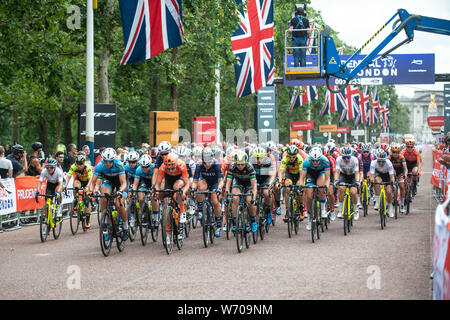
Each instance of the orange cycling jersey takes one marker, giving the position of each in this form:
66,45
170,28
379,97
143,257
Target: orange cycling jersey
412,156
179,170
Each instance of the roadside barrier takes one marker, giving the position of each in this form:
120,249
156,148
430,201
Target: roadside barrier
441,253
440,178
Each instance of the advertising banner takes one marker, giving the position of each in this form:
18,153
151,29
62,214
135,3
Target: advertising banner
266,115
343,130
8,197
204,129
435,121
302,125
394,69
163,127
328,128
105,125
446,107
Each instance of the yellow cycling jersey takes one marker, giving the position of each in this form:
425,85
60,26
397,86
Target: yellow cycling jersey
85,175
292,168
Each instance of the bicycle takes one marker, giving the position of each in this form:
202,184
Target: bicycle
261,210
47,220
242,221
315,216
396,198
382,205
409,191
78,214
142,218
111,225
172,230
228,217
293,210
365,197
209,226
347,207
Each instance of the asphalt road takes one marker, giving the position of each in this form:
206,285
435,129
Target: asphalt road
369,263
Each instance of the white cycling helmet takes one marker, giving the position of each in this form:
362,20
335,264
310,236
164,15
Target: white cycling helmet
145,161
316,153
109,154
164,147
133,156
182,151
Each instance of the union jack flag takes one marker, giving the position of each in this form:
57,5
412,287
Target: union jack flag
310,94
372,116
150,27
252,44
351,107
363,105
385,114
333,102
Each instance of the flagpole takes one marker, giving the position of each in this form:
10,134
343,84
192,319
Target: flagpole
217,105
309,119
90,79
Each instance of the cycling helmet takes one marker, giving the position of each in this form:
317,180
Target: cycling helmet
410,143
354,152
207,155
384,146
36,145
377,145
164,147
308,149
365,148
396,147
270,146
109,154
171,160
381,155
241,157
259,152
51,163
145,161
292,150
301,145
181,151
154,152
346,151
80,159
316,153
133,156
123,157
295,142
17,148
140,152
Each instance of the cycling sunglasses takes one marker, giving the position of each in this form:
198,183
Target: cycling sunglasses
346,157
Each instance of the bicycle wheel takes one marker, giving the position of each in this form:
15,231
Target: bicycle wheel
142,220
167,229
180,235
187,225
105,231
154,229
346,214
312,221
296,217
382,210
229,221
290,215
262,220
255,235
318,217
395,204
44,226
58,226
247,229
240,232
74,220
206,223
408,197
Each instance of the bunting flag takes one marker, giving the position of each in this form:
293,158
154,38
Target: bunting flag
351,106
363,104
386,122
333,102
372,116
149,28
310,42
310,93
253,46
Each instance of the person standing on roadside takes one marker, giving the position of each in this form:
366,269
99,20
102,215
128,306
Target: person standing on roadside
6,168
69,158
18,158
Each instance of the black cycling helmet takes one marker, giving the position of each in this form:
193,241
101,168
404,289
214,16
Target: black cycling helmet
17,148
36,145
80,159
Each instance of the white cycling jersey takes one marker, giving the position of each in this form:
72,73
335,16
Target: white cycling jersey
56,177
387,167
348,168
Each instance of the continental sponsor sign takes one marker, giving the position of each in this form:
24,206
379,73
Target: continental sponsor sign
328,128
163,127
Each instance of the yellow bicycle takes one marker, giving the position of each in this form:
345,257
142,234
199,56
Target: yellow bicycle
48,220
347,207
365,197
382,205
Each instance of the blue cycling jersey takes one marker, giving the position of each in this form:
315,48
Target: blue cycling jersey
141,175
211,175
324,165
131,173
116,170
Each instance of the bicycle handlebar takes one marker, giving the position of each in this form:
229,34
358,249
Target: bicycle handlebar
239,194
384,183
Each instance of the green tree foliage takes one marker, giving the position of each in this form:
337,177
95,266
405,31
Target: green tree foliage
42,72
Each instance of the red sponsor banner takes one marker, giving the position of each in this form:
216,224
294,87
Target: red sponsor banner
436,121
204,129
302,125
343,130
25,188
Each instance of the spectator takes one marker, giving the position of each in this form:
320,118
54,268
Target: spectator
299,38
69,158
99,157
59,156
6,167
18,158
7,149
35,160
87,152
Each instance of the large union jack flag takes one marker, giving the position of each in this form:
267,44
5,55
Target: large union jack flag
333,102
150,27
310,93
252,44
351,107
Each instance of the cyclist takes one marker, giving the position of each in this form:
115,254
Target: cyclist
82,171
131,167
347,170
174,174
241,178
289,173
55,178
265,176
143,182
154,153
112,173
315,172
164,148
381,170
274,156
331,195
401,171
208,177
413,161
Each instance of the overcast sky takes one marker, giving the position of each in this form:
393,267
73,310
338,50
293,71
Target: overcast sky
356,21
